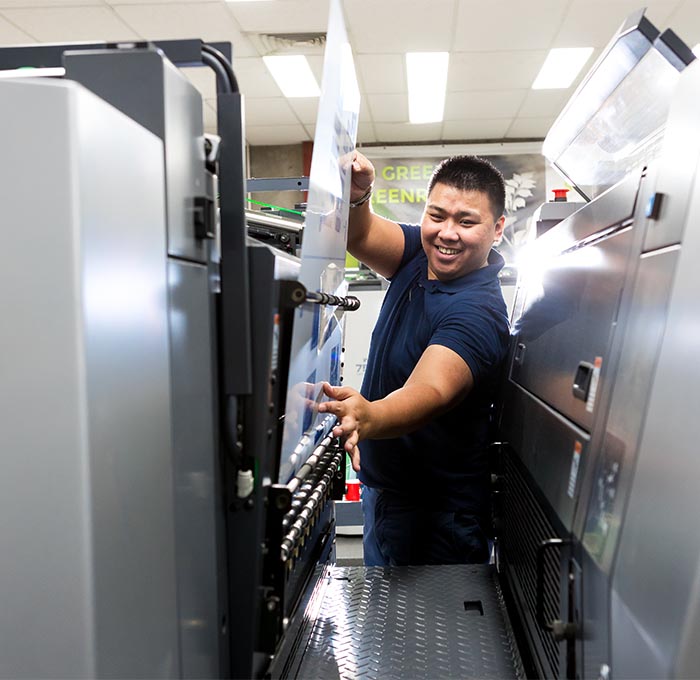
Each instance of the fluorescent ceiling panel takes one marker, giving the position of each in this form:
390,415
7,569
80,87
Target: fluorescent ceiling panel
426,73
30,72
561,67
293,75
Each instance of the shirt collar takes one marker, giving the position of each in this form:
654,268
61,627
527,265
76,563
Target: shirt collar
494,265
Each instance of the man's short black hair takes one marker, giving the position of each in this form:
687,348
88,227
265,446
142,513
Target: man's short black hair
472,173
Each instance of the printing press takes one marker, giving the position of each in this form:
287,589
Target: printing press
168,486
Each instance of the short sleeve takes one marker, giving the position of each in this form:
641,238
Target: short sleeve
477,332
412,243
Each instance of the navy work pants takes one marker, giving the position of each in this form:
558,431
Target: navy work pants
398,532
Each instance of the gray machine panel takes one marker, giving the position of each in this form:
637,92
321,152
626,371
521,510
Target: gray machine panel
87,537
565,329
640,344
555,452
680,155
657,568
195,466
184,162
147,87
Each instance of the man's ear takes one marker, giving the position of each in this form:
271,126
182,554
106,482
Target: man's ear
500,225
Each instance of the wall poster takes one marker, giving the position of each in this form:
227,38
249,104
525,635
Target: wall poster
400,191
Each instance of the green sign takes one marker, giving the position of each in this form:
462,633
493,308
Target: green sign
400,192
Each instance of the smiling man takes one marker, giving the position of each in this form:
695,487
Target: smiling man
421,419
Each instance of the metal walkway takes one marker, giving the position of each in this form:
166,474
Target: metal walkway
404,622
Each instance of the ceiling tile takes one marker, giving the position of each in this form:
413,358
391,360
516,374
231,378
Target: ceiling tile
685,21
365,114
507,25
395,26
305,108
541,103
290,16
405,132
381,73
276,134
208,21
388,108
365,133
254,79
11,35
500,47
494,70
269,111
115,3
593,24
530,128
488,104
316,66
662,12
71,24
50,3
456,130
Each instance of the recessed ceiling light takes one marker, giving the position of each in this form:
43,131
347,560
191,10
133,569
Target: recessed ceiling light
427,81
32,72
293,75
561,67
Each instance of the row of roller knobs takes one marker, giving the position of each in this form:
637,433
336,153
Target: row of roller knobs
349,302
307,503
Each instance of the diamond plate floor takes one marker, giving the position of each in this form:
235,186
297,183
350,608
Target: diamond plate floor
407,622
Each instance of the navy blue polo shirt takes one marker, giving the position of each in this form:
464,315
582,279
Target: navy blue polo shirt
445,462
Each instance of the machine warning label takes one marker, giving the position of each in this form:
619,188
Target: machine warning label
573,474
590,402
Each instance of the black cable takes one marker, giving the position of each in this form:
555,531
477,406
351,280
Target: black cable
221,75
225,63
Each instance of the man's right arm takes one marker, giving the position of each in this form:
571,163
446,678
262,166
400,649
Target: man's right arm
373,240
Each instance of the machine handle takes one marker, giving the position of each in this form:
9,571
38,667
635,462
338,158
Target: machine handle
542,549
582,380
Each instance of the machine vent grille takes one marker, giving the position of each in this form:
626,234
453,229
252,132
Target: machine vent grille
525,527
284,43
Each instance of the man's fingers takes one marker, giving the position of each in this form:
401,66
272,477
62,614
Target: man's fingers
342,393
328,407
352,441
335,407
355,459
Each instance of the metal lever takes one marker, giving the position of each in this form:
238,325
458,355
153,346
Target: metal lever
560,629
204,220
582,380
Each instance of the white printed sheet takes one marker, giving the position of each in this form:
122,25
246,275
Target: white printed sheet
318,330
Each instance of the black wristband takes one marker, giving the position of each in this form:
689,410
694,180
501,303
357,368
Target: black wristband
363,199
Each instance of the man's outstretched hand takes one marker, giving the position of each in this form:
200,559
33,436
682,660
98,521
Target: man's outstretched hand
353,412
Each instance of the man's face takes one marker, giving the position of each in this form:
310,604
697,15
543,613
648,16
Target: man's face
457,231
